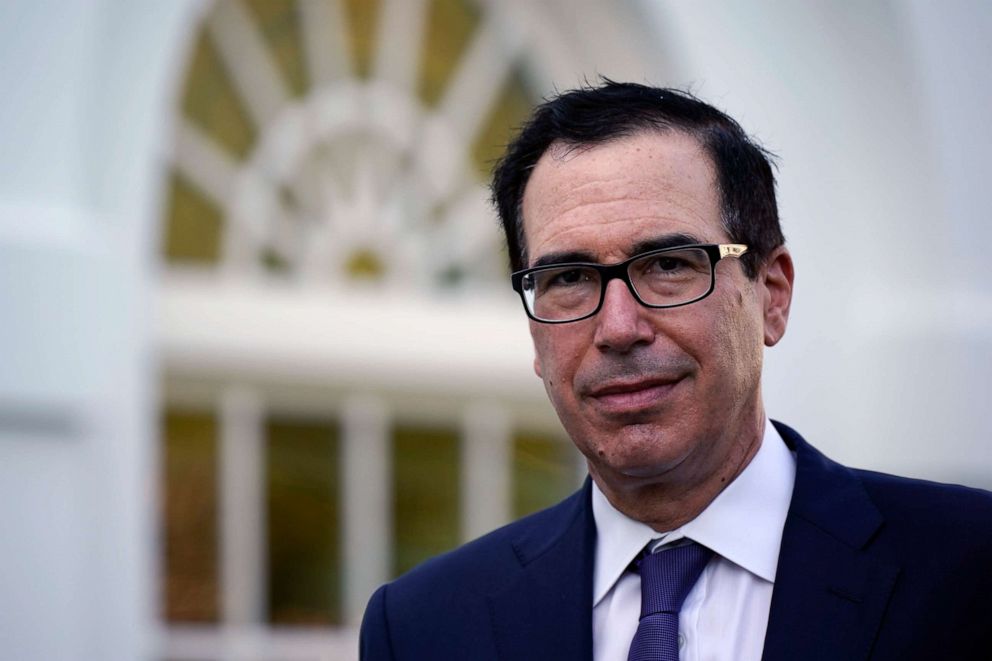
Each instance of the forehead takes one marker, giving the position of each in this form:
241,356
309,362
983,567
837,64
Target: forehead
605,199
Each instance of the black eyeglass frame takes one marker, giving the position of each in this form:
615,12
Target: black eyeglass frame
608,272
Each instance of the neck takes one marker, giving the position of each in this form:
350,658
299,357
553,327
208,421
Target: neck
671,500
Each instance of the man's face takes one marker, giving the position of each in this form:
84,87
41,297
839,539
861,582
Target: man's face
647,395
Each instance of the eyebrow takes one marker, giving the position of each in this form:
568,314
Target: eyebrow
656,243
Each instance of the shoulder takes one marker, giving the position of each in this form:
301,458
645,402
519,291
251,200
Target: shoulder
484,564
934,510
910,544
898,512
443,605
940,538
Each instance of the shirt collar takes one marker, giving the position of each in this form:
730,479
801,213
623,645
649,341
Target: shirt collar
743,523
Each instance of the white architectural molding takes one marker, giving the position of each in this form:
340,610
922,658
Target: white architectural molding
479,78
366,502
204,163
373,340
325,40
258,643
399,42
486,487
246,57
242,508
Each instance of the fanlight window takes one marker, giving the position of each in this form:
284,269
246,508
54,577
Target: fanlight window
328,141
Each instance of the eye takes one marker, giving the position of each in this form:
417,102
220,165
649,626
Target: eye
568,277
566,281
665,264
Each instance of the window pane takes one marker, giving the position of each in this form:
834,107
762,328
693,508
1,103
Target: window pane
544,472
508,113
211,102
450,26
362,16
194,227
425,496
191,590
278,24
303,523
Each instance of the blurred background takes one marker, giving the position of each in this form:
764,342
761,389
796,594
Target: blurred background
258,351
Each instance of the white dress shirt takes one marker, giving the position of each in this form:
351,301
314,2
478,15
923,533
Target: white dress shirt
725,615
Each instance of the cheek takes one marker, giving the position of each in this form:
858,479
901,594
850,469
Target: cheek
723,340
545,356
556,357
740,342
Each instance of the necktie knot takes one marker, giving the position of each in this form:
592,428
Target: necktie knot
668,575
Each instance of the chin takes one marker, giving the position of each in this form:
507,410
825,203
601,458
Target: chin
647,470
639,463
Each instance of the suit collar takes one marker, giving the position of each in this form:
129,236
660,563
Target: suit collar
830,591
545,612
830,496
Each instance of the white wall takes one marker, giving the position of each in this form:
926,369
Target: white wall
80,121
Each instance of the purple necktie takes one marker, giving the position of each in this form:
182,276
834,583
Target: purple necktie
666,578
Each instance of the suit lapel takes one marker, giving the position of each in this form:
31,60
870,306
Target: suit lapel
830,593
546,612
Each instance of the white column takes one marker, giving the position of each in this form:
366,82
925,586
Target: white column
242,508
366,502
485,474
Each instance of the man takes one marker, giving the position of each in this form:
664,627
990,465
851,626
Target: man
644,238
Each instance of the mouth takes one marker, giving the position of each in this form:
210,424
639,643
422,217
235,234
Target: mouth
632,396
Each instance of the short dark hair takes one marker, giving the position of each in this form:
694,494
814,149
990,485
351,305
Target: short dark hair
594,115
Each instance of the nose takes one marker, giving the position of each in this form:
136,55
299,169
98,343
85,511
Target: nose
621,323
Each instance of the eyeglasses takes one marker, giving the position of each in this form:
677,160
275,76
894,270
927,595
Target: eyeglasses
666,278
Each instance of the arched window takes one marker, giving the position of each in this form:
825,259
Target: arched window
339,141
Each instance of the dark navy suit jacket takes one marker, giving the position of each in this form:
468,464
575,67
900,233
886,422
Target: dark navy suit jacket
871,567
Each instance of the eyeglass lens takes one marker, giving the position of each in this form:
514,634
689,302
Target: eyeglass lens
664,279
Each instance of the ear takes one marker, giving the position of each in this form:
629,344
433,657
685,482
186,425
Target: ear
776,278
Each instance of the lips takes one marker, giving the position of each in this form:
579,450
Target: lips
632,396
